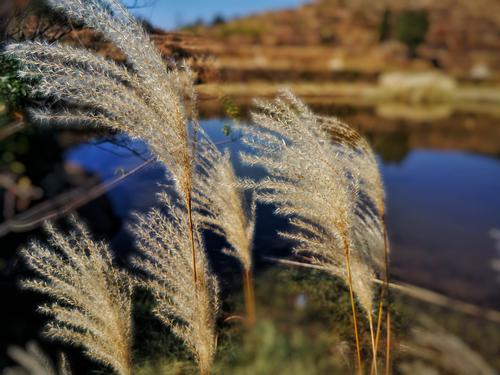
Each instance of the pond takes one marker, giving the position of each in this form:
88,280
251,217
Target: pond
442,202
442,179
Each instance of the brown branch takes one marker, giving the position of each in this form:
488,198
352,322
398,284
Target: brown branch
416,292
10,129
63,203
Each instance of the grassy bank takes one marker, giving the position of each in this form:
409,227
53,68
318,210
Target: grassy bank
305,329
362,93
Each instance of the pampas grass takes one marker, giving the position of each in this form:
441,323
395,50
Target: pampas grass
219,196
147,99
151,101
188,308
327,191
92,298
33,361
324,176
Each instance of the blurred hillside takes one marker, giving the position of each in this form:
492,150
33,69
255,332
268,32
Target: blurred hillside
448,51
334,40
357,40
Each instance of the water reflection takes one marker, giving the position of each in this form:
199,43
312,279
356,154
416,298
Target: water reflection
442,179
441,206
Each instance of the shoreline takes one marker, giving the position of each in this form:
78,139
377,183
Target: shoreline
361,92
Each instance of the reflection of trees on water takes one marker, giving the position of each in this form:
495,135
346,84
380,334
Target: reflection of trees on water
392,147
395,130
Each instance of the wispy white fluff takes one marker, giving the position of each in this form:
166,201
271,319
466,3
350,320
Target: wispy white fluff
324,177
220,197
92,303
189,310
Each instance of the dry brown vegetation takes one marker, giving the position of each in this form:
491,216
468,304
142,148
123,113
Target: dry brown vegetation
341,40
219,196
188,309
92,302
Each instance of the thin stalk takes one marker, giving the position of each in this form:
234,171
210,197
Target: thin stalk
384,295
374,368
249,294
388,352
191,236
353,305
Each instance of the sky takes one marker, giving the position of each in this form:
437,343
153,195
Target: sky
170,14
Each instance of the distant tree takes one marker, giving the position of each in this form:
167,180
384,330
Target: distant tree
147,25
218,20
410,28
385,26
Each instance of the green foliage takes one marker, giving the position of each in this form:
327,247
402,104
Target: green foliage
250,30
411,27
154,344
267,350
384,29
218,20
13,91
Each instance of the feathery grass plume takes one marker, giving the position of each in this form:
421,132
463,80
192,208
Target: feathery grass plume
322,185
371,209
146,98
219,197
33,361
443,352
188,308
92,296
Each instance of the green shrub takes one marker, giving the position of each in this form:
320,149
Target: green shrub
384,29
13,91
410,28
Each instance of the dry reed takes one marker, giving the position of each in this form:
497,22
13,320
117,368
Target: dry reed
220,198
92,297
322,177
437,351
147,99
189,309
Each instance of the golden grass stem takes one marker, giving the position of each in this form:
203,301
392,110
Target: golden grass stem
249,294
353,305
384,295
374,368
191,236
388,340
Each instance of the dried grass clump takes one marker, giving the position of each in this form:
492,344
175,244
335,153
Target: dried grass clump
34,361
220,199
92,297
189,309
146,98
322,177
443,351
